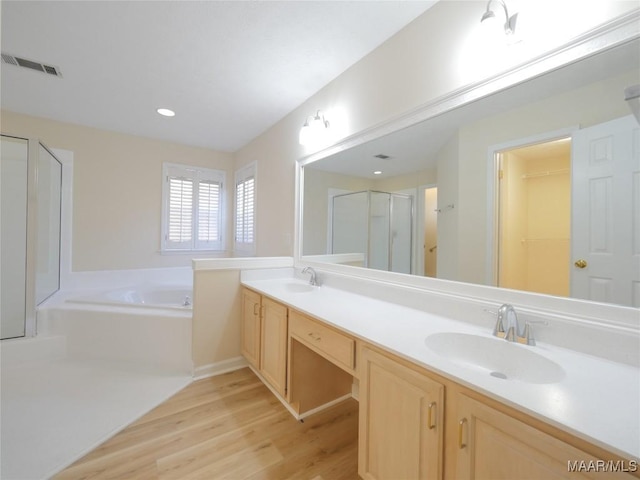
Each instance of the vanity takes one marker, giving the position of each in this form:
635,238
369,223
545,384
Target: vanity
405,317
439,397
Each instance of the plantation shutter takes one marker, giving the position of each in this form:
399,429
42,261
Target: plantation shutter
245,210
209,214
180,224
192,218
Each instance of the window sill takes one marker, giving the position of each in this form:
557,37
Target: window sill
216,253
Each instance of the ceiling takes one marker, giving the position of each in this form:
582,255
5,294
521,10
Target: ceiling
229,69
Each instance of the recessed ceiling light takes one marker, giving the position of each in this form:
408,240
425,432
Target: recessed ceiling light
166,112
378,172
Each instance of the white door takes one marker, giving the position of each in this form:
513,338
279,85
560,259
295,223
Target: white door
605,224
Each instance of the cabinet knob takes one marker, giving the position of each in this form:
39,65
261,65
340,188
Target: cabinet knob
580,263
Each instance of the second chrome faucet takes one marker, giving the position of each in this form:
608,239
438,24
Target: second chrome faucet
509,327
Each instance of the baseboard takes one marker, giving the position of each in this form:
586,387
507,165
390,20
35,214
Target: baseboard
218,368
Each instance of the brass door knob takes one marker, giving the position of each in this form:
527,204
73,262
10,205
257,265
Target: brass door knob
580,263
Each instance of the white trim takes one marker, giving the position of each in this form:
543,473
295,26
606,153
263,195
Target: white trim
337,258
218,368
65,157
240,263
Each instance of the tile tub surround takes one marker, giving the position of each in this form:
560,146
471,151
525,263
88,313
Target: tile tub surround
597,400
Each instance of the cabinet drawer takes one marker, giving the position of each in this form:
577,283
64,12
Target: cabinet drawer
336,347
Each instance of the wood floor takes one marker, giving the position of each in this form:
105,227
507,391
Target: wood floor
227,427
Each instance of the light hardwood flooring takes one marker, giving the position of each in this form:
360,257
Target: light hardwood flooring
227,427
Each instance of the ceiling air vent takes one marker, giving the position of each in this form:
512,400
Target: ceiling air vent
37,66
382,156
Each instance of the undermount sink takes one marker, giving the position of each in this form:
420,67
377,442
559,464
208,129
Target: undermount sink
495,357
298,287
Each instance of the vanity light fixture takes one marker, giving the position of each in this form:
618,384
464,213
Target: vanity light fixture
313,129
165,112
489,17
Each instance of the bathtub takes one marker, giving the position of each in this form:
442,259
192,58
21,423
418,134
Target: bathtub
145,326
165,297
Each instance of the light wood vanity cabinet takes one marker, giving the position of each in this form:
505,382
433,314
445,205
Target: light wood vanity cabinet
273,356
251,327
417,425
401,421
264,337
331,344
322,364
413,423
491,444
309,364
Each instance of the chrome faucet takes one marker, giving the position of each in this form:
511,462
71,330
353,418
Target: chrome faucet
187,301
509,327
313,280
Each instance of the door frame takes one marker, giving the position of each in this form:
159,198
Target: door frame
493,192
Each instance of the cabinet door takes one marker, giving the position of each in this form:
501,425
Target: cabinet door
401,421
493,445
273,359
251,327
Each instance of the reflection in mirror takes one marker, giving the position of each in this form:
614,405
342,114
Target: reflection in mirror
524,189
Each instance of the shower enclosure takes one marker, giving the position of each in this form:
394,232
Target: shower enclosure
376,224
30,203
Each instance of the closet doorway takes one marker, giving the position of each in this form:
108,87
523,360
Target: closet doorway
534,217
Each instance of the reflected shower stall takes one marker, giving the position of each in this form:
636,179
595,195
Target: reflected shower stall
377,224
30,214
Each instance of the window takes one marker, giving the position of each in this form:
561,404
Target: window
245,217
192,208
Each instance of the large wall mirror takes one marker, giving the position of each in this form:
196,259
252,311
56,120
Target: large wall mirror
534,188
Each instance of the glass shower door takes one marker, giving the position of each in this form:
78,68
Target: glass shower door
350,223
47,280
30,219
401,233
13,235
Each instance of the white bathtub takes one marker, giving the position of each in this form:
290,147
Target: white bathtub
146,326
171,297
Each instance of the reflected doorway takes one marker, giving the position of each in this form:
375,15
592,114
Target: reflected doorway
430,243
534,217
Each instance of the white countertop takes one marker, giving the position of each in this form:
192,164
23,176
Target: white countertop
597,400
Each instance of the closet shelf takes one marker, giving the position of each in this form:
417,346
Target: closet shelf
546,173
536,240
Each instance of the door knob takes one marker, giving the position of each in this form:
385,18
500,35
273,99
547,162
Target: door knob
580,263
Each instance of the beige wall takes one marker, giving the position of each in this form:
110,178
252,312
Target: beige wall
217,306
117,190
434,55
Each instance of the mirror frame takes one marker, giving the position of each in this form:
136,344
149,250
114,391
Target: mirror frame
617,32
